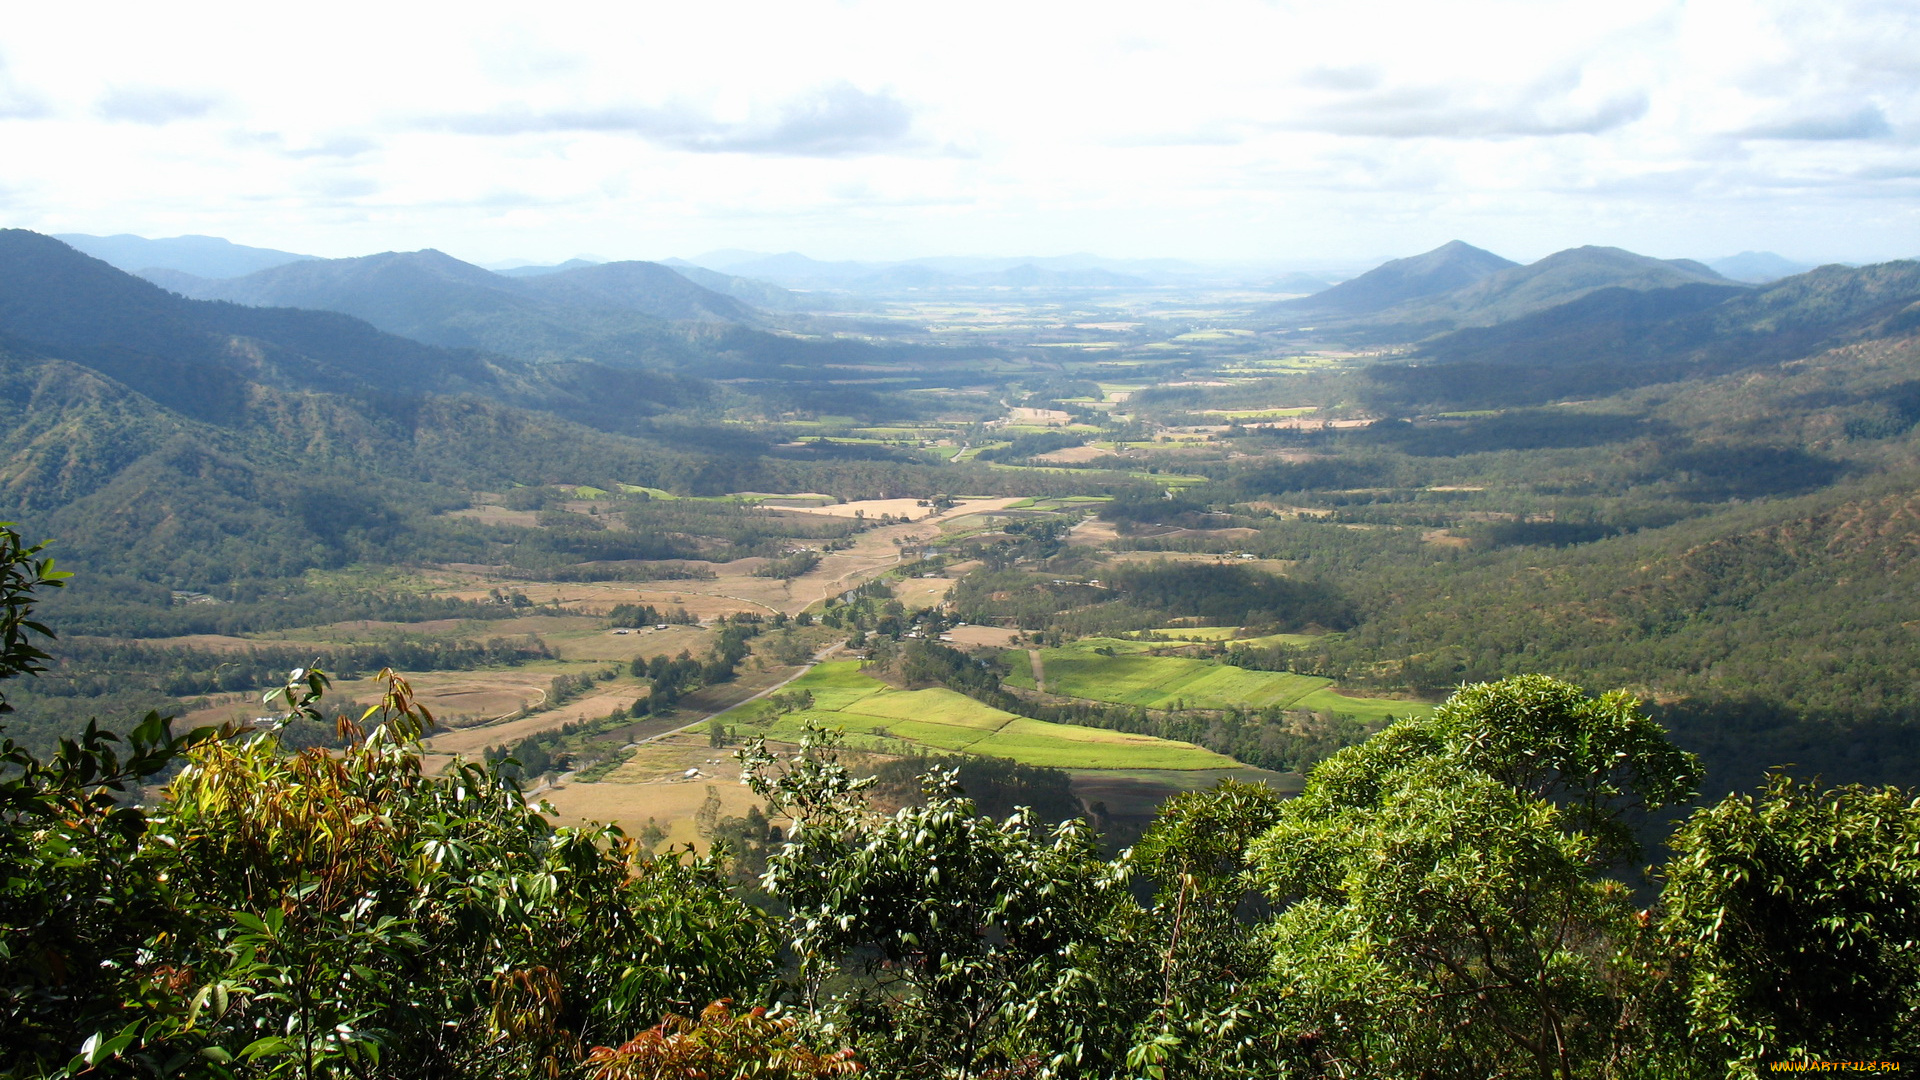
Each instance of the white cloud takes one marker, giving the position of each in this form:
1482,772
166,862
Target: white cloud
17,102
831,121
848,128
154,105
1865,122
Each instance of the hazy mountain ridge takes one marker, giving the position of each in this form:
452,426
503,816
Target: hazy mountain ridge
432,297
1757,267
761,294
200,256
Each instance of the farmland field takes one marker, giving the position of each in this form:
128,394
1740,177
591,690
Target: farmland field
877,717
1167,682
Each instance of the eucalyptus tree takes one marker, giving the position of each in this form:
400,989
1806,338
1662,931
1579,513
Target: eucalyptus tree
1794,918
1444,908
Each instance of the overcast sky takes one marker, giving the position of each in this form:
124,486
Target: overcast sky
1285,131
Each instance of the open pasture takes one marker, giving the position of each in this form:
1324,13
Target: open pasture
653,786
1168,682
878,717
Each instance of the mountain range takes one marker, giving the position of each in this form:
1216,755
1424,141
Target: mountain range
624,314
1458,285
432,297
203,256
1449,267
1616,338
191,441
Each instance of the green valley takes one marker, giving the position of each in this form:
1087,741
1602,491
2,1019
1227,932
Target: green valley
747,634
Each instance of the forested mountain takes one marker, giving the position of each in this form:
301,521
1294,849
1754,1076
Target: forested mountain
1451,266
1458,286
1557,279
201,256
645,287
624,314
194,441
414,292
1757,267
760,294
1615,338
437,299
202,357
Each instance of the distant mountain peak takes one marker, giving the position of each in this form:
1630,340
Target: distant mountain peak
1450,266
1758,267
201,256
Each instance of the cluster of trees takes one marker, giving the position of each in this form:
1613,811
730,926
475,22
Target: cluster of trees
1031,539
1024,447
1441,900
1227,594
1027,599
869,607
671,678
788,567
640,615
1130,513
535,755
550,751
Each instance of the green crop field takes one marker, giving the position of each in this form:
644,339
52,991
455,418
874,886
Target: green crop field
1192,633
1168,682
1217,633
875,716
1123,646
1278,639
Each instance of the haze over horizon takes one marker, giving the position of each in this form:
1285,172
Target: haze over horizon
1243,132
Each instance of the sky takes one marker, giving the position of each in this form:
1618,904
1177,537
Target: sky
1292,132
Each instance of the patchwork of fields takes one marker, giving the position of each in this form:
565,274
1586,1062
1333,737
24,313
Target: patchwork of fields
1170,682
877,717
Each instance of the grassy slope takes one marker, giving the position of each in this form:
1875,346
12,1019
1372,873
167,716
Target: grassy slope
878,717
